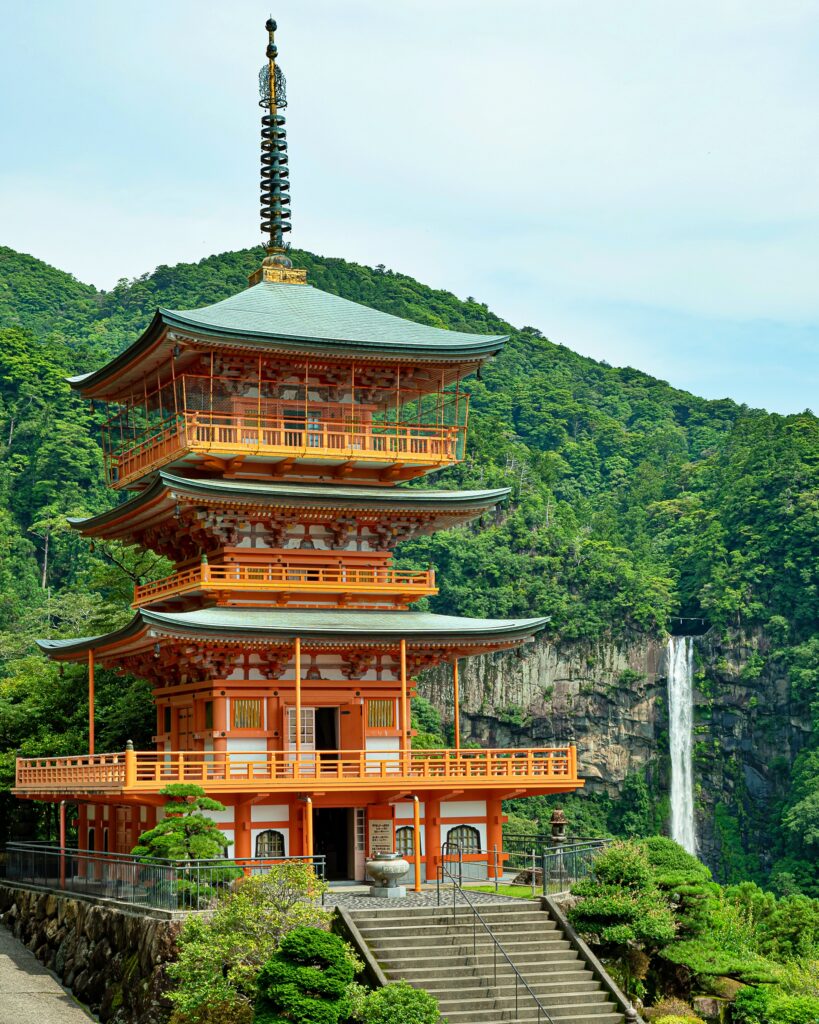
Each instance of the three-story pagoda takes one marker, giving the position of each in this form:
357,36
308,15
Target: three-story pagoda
265,439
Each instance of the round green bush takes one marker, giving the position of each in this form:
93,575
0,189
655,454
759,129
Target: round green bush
306,980
400,1004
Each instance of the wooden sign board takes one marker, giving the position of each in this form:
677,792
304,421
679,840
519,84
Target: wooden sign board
382,839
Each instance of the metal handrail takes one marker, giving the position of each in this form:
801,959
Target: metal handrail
497,945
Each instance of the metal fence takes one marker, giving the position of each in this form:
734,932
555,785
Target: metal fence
158,884
552,867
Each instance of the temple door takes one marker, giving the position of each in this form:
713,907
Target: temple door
308,736
186,728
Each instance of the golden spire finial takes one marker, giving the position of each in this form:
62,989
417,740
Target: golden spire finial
275,179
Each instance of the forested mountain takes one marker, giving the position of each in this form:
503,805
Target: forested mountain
633,502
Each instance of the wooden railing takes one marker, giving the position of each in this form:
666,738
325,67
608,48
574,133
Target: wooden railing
291,578
279,437
233,771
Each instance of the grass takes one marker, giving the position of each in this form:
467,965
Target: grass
521,892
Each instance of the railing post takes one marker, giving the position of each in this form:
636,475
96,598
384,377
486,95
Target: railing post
130,765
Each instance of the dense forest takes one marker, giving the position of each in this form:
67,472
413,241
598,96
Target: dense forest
633,504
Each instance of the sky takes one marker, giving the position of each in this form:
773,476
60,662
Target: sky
638,181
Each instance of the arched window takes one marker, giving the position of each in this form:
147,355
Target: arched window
405,841
463,838
270,844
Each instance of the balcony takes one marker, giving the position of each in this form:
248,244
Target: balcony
337,586
540,769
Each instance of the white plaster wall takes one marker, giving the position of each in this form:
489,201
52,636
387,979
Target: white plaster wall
404,809
269,812
463,808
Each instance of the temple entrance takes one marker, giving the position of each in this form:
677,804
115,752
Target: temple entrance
331,838
327,733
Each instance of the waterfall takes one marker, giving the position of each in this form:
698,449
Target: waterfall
680,719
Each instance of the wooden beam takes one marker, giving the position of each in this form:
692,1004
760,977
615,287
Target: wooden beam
90,700
297,647
405,725
456,708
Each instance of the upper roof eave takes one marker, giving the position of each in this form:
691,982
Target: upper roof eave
418,341
307,494
272,625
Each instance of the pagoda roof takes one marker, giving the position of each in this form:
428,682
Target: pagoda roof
300,318
166,488
271,626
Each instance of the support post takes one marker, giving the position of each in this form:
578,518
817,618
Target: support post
456,697
298,701
416,840
432,834
62,844
308,826
494,834
241,833
90,700
405,725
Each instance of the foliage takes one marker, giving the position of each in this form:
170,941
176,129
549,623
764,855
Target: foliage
669,1007
306,980
620,904
673,1019
220,958
184,833
400,1003
236,1011
769,1005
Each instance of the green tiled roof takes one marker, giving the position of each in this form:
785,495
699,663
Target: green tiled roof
305,495
275,625
306,314
302,318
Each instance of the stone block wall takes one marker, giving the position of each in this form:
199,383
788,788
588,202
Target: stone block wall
113,960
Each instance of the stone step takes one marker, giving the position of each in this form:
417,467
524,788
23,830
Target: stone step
481,939
436,927
574,984
544,961
528,1015
517,908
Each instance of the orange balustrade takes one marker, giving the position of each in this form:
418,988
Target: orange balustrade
279,437
234,771
389,583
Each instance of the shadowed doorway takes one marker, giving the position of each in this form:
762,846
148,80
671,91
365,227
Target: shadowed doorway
331,839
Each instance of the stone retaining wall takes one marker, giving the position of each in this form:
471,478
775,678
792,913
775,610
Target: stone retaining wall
112,959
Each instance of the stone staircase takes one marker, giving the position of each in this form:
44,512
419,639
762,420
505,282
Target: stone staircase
433,950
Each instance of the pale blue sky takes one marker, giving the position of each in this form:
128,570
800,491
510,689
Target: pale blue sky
637,180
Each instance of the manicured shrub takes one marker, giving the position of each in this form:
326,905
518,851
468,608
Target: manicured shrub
306,981
220,958
400,1004
769,1005
236,1011
672,1007
671,1019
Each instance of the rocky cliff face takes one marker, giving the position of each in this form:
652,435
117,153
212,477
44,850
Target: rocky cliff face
610,699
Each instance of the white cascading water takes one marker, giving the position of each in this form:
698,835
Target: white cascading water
680,727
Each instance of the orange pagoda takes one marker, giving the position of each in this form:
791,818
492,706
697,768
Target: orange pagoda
265,440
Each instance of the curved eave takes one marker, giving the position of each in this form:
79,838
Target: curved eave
481,348
165,484
275,626
93,384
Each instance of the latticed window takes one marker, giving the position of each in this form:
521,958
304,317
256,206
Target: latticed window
464,838
405,841
247,714
380,714
270,843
